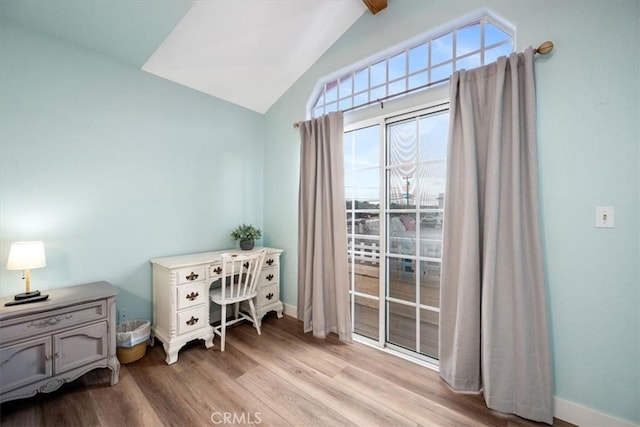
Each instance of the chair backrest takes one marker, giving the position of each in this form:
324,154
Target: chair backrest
240,273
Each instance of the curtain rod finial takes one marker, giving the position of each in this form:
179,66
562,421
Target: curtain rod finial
545,48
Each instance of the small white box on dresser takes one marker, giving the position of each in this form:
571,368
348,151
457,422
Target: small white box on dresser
181,296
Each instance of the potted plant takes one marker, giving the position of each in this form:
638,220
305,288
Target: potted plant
247,234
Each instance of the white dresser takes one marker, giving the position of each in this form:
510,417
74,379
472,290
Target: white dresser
181,296
46,344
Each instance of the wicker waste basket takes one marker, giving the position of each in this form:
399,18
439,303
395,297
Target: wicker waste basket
132,339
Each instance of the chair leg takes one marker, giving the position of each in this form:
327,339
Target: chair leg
254,316
223,326
236,309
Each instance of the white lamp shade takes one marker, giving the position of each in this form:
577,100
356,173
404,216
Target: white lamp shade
25,255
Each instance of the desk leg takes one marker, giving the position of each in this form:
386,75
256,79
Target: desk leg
208,340
172,352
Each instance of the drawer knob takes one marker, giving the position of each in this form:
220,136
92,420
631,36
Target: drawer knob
269,277
192,296
269,296
269,261
192,276
217,270
192,321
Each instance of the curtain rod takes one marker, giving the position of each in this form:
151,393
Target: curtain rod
543,49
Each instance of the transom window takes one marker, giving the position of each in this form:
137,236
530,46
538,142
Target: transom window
427,62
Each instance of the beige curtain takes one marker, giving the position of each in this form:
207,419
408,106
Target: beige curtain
493,314
323,279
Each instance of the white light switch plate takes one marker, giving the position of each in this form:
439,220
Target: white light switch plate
604,217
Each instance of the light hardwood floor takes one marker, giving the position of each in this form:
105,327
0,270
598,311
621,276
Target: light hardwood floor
283,377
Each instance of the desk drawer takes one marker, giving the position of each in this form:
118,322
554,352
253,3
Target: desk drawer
188,275
48,322
215,271
268,276
267,295
271,261
191,294
192,319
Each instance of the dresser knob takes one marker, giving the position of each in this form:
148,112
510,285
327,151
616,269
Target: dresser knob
269,261
269,296
192,276
192,321
269,277
192,296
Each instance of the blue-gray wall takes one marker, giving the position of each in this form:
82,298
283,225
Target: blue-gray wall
111,166
589,133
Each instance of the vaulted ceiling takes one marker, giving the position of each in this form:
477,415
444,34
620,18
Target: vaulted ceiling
248,52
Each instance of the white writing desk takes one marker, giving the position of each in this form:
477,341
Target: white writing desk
181,296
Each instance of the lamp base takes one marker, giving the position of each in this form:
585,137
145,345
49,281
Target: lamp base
26,295
25,300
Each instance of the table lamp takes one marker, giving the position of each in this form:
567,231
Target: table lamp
25,256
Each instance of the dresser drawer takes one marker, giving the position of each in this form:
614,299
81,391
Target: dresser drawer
267,295
269,276
192,319
46,323
191,294
188,275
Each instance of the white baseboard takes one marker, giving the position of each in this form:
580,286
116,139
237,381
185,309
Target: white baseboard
290,310
585,417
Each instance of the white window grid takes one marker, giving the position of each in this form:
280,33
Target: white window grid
381,80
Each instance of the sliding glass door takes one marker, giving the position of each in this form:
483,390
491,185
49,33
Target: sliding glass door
415,178
395,184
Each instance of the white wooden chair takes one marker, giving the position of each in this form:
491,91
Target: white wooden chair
240,275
